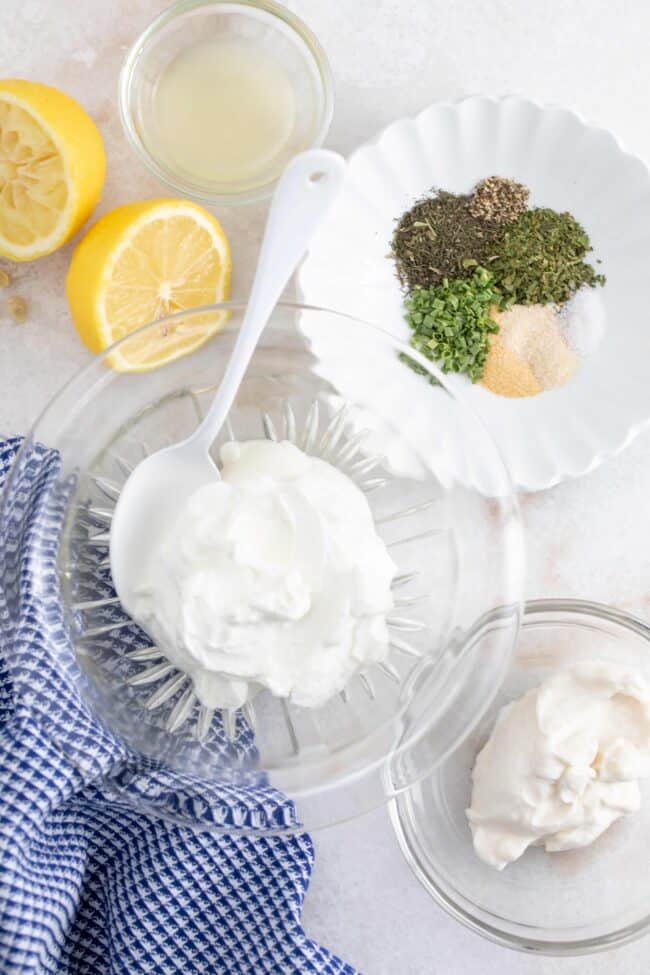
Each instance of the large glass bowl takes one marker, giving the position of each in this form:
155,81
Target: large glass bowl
567,903
457,547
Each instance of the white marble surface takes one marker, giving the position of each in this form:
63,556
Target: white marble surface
588,538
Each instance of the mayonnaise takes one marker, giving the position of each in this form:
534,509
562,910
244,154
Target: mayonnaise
562,764
272,577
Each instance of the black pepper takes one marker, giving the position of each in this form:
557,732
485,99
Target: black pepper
498,199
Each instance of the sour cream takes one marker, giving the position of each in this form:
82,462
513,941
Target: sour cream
273,577
562,764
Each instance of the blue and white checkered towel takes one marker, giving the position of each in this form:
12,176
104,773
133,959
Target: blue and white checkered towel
88,884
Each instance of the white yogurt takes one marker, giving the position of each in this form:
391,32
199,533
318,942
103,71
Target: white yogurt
273,577
562,764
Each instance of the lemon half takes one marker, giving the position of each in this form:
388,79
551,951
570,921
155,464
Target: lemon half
142,262
52,168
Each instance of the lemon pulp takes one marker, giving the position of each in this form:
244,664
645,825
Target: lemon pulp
142,262
52,168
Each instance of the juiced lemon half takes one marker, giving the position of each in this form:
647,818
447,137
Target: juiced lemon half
142,262
52,168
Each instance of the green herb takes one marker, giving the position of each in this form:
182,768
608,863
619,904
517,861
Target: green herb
539,258
451,322
440,238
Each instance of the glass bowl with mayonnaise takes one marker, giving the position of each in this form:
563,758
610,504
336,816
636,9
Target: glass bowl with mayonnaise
307,622
534,832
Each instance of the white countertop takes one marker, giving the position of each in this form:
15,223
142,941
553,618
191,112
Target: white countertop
588,538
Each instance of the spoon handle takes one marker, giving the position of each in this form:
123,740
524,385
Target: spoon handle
304,193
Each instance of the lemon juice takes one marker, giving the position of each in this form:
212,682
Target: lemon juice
225,112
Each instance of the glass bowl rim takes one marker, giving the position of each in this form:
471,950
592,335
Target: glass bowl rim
297,306
536,612
128,71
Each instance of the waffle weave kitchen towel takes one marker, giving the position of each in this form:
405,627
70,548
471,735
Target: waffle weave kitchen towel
89,883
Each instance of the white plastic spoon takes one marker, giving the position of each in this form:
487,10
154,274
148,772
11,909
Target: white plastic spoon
152,495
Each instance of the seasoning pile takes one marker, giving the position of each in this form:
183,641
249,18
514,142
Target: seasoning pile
496,290
14,305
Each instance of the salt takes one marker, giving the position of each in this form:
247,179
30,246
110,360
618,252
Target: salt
583,321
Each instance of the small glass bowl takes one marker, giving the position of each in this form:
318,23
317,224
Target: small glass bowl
263,22
568,903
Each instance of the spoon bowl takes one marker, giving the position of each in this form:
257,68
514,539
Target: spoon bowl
151,498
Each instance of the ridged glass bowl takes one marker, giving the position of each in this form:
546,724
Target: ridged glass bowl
458,553
567,903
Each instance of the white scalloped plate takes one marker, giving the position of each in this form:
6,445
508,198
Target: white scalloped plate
568,165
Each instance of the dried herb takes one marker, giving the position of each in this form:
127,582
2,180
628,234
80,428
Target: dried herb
498,199
539,258
451,322
460,255
440,238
